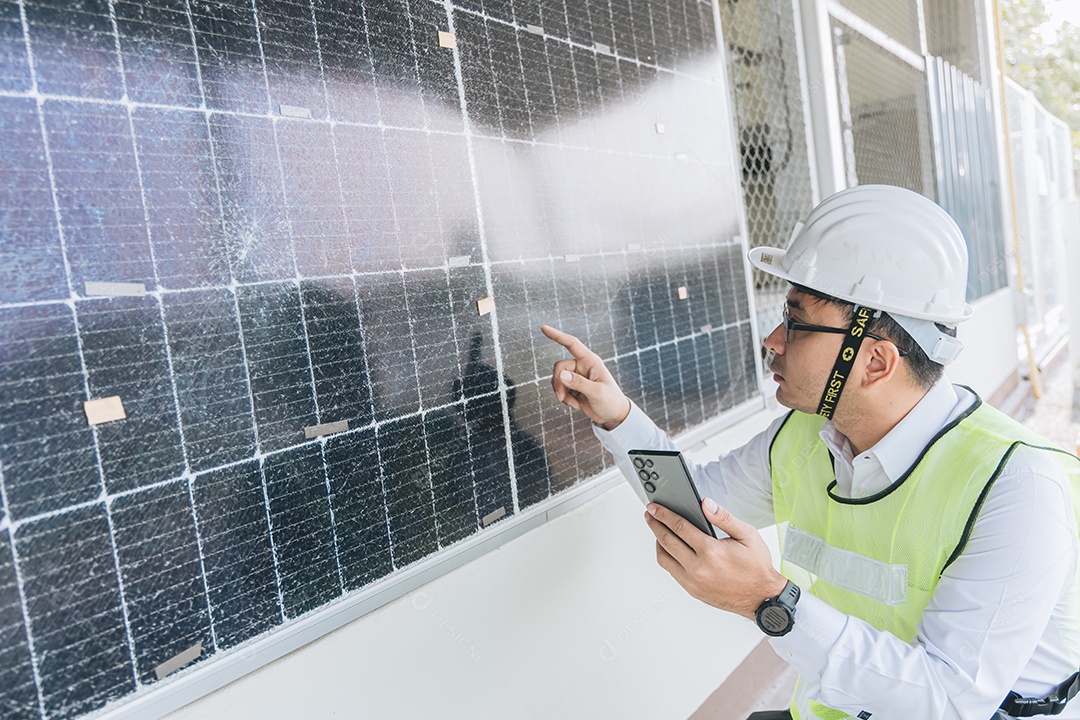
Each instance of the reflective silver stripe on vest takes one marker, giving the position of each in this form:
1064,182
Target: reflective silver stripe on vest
845,569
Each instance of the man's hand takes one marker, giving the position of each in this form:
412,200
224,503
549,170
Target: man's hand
734,574
585,384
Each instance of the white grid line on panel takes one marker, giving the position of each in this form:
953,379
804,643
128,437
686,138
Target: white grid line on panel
108,502
190,485
233,286
164,329
672,284
299,294
285,208
16,565
691,159
482,235
419,397
221,216
455,336
330,508
82,363
345,222
374,426
382,489
536,372
23,607
374,86
236,309
562,324
270,533
521,66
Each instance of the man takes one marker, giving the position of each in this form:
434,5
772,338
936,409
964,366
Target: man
928,542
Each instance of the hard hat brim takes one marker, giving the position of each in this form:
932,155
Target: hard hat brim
771,260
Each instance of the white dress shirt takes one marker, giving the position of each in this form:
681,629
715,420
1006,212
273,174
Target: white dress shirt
1005,615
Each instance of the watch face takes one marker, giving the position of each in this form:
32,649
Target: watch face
774,619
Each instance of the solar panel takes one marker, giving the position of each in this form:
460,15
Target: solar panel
298,254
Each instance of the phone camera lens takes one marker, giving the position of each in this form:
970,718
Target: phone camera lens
639,463
654,476
648,463
643,474
649,487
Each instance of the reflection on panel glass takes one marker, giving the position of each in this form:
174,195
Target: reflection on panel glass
275,231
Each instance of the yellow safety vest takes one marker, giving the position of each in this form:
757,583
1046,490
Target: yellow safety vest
879,558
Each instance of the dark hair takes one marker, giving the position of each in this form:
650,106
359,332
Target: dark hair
924,371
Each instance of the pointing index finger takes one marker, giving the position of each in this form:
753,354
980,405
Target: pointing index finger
571,343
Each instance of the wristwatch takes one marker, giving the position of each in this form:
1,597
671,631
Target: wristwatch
776,616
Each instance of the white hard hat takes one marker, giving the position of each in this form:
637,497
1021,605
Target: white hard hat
885,248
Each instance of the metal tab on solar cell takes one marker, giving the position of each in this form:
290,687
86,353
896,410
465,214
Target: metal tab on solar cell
313,431
447,40
485,305
493,516
683,292
601,47
293,111
104,410
114,289
572,258
178,661
706,329
534,29
460,260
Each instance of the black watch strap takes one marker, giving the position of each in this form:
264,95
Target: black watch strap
776,616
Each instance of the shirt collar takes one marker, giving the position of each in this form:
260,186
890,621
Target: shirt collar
900,448
903,445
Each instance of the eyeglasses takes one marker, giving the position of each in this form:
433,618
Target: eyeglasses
790,325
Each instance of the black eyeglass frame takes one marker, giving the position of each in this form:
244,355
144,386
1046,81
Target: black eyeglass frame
790,325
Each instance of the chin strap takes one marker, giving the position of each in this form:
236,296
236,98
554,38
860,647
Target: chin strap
845,359
1018,706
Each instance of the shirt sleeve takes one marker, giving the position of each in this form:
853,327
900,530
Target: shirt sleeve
740,480
984,621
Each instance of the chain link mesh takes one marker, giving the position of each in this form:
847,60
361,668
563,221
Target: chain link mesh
765,78
896,18
885,115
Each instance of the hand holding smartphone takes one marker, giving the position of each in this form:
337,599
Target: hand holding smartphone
666,480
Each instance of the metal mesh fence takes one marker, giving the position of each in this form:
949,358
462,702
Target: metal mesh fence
1048,245
952,33
1042,178
885,115
1016,107
1063,152
896,18
765,78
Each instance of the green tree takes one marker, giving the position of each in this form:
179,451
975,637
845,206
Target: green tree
1047,64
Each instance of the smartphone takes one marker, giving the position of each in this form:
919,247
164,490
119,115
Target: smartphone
666,480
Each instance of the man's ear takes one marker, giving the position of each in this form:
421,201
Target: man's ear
882,363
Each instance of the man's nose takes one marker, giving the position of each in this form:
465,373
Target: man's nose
776,341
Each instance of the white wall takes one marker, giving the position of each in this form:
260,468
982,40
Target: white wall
990,351
572,620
